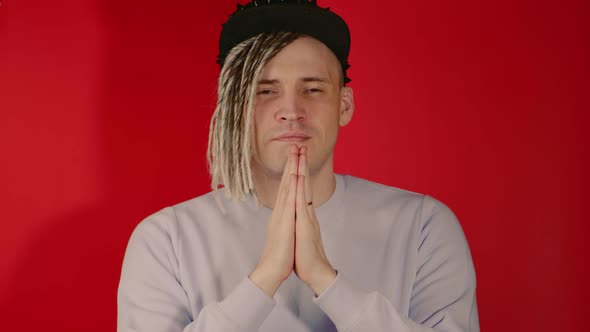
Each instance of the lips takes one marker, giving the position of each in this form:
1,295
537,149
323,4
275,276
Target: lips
292,137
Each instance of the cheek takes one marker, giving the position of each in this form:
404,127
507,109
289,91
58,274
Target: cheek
328,122
256,139
263,150
258,125
329,135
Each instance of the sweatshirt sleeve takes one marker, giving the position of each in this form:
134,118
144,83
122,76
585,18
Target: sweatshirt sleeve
151,298
443,295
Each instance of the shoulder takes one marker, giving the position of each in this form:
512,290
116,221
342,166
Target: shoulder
439,221
372,195
435,224
165,223
360,185
201,213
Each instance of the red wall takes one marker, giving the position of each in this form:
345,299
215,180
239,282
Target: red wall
104,110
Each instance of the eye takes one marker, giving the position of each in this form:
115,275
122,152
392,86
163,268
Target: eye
265,92
313,90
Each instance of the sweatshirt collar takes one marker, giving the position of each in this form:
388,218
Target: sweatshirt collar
331,206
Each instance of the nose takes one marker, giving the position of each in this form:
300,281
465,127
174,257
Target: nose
290,108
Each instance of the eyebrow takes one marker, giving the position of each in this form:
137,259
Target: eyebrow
265,81
316,79
303,79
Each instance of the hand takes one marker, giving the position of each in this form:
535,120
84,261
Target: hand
277,260
311,264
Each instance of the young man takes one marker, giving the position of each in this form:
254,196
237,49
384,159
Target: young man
291,246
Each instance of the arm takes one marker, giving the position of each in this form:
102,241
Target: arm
151,298
443,295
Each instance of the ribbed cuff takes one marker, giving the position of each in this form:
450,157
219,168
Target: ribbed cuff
247,305
342,302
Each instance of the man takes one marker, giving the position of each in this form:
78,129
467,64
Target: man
291,246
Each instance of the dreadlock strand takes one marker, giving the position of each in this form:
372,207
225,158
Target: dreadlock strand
229,148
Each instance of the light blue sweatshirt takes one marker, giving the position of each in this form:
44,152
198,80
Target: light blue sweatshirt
402,259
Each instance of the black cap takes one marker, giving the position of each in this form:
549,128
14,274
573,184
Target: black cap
299,16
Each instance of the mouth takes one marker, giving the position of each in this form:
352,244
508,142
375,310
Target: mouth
292,137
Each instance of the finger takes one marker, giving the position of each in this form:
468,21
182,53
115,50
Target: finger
291,164
301,167
307,186
284,187
289,206
304,170
301,203
294,152
290,169
285,177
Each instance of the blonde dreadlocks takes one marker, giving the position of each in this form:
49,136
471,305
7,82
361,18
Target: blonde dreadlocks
229,149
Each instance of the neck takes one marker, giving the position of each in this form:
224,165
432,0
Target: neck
323,185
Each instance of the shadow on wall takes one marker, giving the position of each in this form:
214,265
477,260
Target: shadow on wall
158,93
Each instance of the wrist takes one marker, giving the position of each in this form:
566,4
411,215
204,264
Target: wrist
265,281
322,280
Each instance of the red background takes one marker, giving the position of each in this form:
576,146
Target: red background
104,113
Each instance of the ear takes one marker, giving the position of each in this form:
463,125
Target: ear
346,105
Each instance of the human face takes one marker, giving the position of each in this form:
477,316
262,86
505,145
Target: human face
299,100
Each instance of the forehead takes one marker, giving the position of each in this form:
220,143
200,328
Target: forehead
305,56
